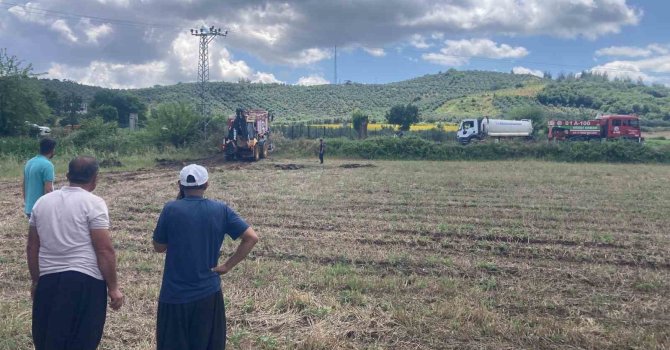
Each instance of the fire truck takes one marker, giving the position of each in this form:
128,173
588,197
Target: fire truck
605,127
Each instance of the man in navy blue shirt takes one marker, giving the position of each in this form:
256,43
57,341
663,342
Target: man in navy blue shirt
191,313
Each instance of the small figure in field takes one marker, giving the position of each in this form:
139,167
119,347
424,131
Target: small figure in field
191,230
38,175
72,263
322,150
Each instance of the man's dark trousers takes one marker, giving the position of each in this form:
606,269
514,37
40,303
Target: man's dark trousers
69,311
198,325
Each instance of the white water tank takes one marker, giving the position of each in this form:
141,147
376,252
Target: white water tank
507,128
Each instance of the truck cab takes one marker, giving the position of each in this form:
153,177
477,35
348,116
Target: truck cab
467,130
625,127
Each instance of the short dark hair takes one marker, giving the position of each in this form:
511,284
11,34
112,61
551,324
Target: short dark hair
47,145
191,179
82,170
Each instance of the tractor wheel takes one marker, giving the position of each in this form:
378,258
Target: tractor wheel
257,152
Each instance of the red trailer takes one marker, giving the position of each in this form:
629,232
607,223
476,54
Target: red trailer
609,127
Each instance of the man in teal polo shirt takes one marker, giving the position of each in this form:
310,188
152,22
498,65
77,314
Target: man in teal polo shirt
38,175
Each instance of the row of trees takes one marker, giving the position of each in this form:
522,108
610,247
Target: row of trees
112,106
23,101
20,97
597,92
401,115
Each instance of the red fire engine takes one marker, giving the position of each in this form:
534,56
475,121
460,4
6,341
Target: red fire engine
609,127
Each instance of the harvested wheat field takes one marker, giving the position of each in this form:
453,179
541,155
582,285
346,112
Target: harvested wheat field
400,255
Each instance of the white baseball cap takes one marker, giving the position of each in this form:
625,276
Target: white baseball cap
197,172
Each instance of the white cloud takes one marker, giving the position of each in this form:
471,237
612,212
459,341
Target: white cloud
264,78
61,27
624,51
112,75
295,33
524,70
307,56
458,53
376,52
29,14
419,41
179,64
561,18
281,32
659,49
95,32
183,56
231,70
622,70
312,80
184,53
122,3
653,69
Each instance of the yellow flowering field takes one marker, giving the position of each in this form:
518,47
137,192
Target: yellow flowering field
417,127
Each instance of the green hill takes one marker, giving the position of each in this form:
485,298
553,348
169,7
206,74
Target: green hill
292,102
450,96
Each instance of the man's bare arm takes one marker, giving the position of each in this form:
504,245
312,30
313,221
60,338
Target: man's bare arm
32,254
249,239
48,187
104,251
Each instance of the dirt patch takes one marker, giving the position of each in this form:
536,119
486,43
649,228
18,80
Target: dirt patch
110,163
289,166
164,163
356,165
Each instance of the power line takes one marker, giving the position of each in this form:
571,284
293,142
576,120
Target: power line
70,15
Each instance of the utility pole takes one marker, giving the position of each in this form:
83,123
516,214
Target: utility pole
206,35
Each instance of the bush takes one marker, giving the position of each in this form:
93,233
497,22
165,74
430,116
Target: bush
22,147
415,148
174,123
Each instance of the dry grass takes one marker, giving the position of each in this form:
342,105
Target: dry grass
403,255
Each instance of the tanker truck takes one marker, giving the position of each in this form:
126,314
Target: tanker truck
479,129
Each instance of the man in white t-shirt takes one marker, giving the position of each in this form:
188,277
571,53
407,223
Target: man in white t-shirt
72,263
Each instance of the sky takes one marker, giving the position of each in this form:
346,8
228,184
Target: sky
142,43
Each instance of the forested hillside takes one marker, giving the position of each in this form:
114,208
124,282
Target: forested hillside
338,101
620,97
450,96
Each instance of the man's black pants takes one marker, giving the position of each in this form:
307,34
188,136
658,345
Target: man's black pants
321,157
69,311
198,325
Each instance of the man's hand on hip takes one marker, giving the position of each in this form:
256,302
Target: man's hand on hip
221,269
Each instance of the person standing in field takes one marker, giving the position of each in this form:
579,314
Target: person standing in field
72,263
191,229
322,150
38,175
